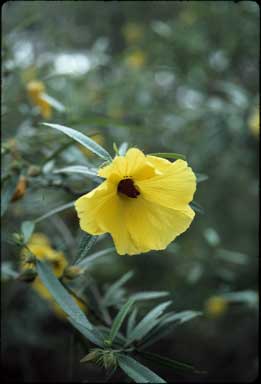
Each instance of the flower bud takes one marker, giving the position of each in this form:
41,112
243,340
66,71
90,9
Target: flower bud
92,356
72,272
109,359
18,238
29,258
107,342
28,275
216,306
34,170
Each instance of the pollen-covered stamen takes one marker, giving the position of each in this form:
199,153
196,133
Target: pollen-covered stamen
127,187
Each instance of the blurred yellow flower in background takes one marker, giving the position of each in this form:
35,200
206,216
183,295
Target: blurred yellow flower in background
98,138
35,90
136,59
41,248
133,32
254,122
216,306
143,203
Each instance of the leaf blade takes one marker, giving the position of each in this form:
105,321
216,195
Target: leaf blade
81,170
148,322
89,259
119,319
61,296
86,243
168,155
54,211
53,102
27,229
91,335
150,295
138,372
82,139
115,287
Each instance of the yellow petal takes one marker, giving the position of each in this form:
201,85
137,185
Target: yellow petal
34,89
90,206
153,227
45,107
102,211
174,188
39,239
40,246
133,165
159,163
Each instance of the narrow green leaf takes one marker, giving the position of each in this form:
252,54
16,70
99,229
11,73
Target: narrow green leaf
116,149
92,335
115,287
86,243
180,317
61,296
89,259
119,319
201,177
119,339
167,362
91,173
167,155
54,211
131,321
53,102
27,229
123,148
196,207
138,372
166,325
7,192
148,322
149,295
249,297
82,139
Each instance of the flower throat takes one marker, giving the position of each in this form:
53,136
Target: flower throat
126,186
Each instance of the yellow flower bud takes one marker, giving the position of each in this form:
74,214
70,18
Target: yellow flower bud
216,306
40,247
35,91
72,272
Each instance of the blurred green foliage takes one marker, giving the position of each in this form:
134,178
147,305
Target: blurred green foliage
166,77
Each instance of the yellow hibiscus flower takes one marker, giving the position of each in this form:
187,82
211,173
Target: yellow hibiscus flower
35,91
40,247
143,203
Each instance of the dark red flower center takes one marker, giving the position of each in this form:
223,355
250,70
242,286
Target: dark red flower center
127,187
